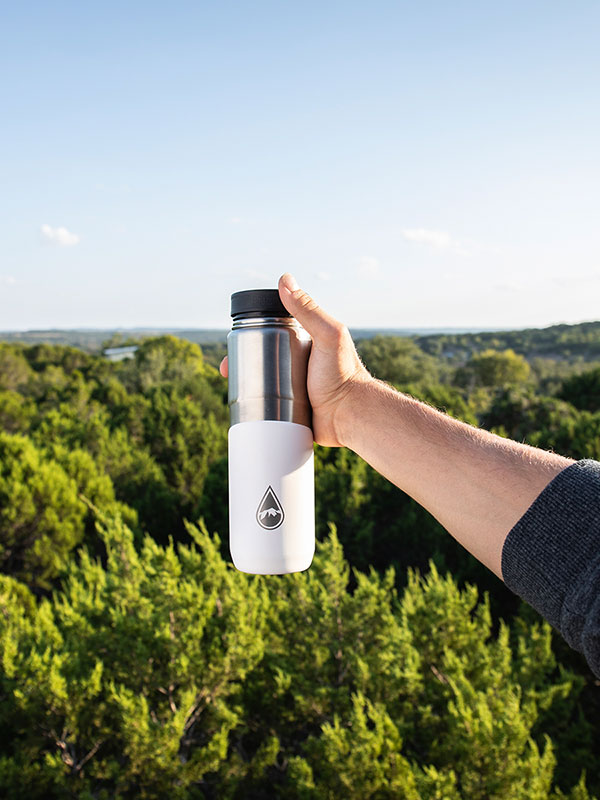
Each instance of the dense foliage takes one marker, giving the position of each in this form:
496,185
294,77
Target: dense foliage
136,662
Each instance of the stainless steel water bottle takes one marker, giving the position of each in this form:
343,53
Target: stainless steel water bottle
271,469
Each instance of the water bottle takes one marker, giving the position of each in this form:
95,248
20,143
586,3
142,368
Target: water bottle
271,467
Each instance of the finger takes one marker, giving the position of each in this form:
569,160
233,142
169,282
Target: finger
224,367
324,329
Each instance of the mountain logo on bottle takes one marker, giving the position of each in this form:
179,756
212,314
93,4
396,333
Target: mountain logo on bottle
269,513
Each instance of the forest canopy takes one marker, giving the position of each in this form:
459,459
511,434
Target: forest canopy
136,662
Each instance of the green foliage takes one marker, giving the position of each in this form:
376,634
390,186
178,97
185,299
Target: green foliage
167,360
583,391
399,360
333,684
520,413
166,673
41,516
184,440
361,756
578,436
492,368
15,372
40,356
157,447
16,412
121,684
93,486
545,422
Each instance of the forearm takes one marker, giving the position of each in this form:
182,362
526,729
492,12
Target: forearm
476,484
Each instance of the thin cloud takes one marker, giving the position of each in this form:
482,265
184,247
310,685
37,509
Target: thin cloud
569,281
323,276
439,240
368,267
59,236
257,275
7,280
511,287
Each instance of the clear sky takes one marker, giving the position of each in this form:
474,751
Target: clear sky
413,163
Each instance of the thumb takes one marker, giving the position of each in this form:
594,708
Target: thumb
323,328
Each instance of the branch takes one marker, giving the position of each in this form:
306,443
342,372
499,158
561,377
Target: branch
89,755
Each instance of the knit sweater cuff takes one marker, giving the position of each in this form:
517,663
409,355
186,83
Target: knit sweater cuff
551,558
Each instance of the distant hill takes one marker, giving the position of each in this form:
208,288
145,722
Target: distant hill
580,342
557,342
95,339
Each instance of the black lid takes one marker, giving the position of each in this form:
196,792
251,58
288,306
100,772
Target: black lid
257,303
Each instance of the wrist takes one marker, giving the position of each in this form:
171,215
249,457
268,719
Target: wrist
352,409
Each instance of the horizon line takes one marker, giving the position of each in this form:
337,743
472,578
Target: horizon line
214,329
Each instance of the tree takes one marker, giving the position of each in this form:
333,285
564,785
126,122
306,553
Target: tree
583,391
166,359
40,356
492,368
16,412
521,414
41,515
14,369
578,436
94,487
400,360
184,440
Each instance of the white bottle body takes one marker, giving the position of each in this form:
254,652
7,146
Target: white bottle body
271,497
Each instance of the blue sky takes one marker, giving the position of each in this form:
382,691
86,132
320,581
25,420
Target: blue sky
414,164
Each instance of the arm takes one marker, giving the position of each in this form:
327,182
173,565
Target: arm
476,484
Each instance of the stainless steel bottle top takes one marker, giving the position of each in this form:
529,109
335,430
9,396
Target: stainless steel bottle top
268,360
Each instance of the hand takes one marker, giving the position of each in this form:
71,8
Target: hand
334,368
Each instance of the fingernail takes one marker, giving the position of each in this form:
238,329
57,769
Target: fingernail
289,282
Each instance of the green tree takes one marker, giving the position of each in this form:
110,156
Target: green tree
492,368
41,515
40,356
400,360
577,437
16,412
166,359
583,391
184,440
93,486
520,413
15,372
137,478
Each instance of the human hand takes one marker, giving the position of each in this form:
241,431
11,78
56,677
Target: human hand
334,368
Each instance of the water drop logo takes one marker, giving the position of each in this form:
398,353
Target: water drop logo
269,513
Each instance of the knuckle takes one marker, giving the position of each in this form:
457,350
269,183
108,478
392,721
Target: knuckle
306,302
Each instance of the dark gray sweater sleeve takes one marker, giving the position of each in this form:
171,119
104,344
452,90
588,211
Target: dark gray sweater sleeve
551,558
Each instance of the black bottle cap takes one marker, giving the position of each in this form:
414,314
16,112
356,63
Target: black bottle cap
257,303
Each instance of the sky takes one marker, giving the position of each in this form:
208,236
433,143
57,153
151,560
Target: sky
426,164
